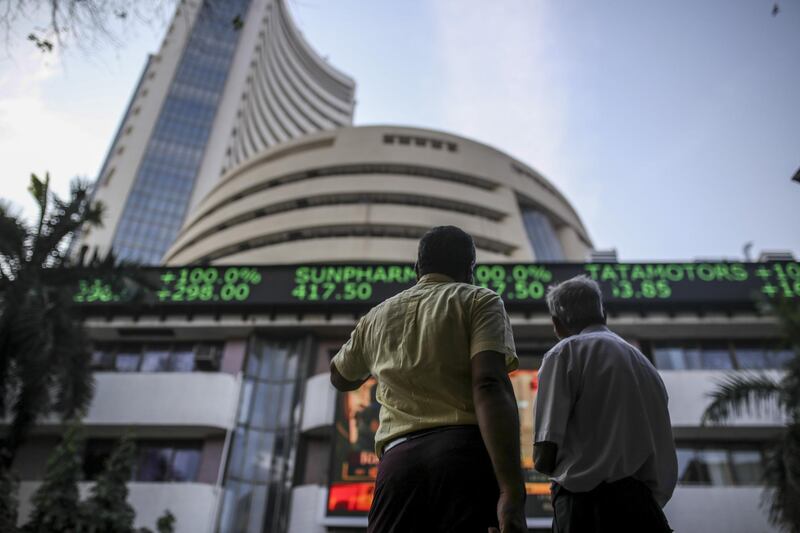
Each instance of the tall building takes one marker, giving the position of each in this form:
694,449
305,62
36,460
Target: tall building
230,79
279,224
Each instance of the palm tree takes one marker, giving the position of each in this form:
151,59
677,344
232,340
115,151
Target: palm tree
44,350
758,392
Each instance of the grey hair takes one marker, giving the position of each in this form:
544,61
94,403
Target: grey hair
576,302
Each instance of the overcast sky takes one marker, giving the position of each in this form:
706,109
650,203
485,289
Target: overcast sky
672,127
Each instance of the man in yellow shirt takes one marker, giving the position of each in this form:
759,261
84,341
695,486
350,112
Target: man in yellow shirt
448,439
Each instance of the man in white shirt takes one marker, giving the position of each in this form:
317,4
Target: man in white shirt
602,428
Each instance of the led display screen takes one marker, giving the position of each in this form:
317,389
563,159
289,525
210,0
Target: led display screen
354,463
522,286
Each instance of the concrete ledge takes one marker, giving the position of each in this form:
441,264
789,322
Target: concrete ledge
688,398
164,399
308,509
319,403
193,504
717,510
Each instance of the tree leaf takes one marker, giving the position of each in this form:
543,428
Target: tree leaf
737,393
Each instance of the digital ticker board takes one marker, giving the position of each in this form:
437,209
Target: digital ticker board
520,285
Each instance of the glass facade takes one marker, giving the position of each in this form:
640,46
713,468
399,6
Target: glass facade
157,357
157,203
720,465
720,356
155,460
542,235
260,466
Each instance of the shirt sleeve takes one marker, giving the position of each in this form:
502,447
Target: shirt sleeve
351,361
555,395
491,329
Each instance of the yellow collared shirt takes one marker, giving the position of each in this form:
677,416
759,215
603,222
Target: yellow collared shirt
418,346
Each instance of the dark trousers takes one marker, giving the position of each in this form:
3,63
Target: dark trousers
438,482
618,507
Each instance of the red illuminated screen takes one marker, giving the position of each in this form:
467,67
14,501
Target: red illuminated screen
355,465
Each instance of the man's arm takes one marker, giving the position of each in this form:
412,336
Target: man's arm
554,399
350,361
498,419
343,384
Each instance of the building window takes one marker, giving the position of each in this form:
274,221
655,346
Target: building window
744,355
436,144
127,361
155,359
136,357
541,235
155,460
755,356
182,359
720,465
109,174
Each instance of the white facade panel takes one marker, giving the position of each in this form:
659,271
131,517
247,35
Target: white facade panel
170,399
688,397
717,510
308,507
319,403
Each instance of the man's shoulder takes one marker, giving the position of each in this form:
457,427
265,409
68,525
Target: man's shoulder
602,334
609,342
376,310
388,304
466,291
475,293
605,338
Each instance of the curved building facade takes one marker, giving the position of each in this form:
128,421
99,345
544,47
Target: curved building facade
290,91
369,193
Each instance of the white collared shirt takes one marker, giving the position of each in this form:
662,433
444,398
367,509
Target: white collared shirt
605,406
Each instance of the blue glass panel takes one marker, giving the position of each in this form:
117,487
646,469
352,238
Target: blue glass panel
162,188
541,235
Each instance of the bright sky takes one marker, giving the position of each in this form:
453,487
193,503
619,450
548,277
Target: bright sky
672,127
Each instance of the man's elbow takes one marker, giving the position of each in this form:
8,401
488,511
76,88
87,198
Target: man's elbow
335,382
340,383
336,378
544,457
489,384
